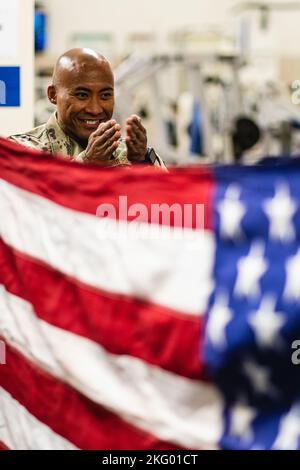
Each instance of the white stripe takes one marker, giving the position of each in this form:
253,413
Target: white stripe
173,408
19,430
176,273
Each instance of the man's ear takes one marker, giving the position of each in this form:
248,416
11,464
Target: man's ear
51,92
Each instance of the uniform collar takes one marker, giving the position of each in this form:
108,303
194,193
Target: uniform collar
60,142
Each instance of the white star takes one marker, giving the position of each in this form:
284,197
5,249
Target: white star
260,379
218,318
250,270
292,287
289,430
266,323
231,211
241,419
280,210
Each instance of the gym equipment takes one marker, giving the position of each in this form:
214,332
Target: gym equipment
135,72
245,135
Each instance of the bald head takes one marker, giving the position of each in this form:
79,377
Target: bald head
83,91
78,61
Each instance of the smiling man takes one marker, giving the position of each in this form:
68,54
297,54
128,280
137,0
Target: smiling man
82,128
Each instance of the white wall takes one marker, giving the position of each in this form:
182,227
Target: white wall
13,120
160,16
127,16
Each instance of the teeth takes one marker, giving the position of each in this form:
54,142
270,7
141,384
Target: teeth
91,122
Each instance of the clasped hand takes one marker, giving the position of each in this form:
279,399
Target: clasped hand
104,141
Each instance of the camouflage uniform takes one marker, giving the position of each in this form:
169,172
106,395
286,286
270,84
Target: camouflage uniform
51,138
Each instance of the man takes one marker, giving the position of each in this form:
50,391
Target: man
82,128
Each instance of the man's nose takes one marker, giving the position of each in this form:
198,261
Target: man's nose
94,106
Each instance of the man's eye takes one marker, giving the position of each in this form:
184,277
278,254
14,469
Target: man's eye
81,95
106,96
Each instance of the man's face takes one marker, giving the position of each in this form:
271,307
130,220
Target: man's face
84,98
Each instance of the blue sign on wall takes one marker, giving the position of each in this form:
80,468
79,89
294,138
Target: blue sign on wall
9,86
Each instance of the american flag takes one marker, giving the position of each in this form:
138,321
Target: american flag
147,342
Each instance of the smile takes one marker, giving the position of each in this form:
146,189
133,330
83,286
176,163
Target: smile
90,123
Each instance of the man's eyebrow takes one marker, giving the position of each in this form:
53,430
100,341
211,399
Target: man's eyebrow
107,88
82,88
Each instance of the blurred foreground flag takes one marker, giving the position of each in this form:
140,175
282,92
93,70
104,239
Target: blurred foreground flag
145,310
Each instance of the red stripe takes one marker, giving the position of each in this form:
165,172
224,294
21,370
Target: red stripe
3,446
85,187
121,325
67,412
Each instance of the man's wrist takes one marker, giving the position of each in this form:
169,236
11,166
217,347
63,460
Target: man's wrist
150,156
